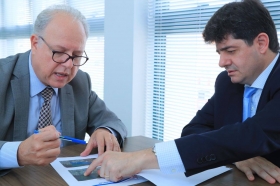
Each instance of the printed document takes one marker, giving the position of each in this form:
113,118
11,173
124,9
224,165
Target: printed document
72,169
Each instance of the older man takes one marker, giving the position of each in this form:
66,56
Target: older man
73,109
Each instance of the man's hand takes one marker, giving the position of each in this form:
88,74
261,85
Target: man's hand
101,138
39,149
262,167
118,165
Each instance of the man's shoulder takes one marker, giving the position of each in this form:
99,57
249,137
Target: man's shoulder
276,68
223,75
223,78
81,76
10,61
16,65
272,81
7,65
224,84
82,79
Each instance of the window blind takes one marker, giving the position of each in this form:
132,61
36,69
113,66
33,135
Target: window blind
16,26
181,69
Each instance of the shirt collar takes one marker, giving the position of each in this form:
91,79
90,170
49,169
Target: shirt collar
36,86
260,81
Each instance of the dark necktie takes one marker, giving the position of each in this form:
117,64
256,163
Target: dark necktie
248,93
45,118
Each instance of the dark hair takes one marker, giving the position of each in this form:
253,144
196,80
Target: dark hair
243,20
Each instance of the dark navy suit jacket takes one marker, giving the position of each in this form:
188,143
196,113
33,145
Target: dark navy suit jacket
216,136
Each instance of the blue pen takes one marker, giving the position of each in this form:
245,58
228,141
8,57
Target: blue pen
67,138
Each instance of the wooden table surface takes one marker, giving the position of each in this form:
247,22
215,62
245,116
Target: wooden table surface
47,176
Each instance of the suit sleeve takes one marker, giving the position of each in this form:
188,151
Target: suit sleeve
204,118
211,141
101,116
202,122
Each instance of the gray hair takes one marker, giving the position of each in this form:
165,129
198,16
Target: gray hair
47,15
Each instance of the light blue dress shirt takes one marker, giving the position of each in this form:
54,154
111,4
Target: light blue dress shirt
168,157
259,83
36,102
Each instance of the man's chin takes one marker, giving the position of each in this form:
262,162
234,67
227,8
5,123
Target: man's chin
234,80
57,85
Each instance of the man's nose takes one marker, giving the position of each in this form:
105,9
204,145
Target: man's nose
224,61
68,63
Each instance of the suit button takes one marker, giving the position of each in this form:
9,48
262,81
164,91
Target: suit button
203,159
208,158
199,160
212,157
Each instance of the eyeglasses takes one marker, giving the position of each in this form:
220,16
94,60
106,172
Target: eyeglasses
62,57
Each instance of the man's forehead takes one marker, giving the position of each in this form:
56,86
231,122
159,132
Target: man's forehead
227,38
229,42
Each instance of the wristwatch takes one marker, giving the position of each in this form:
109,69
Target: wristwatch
154,150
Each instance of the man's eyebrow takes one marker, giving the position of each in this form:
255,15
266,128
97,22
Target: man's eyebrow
225,48
62,48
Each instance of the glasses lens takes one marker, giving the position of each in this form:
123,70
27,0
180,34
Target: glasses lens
61,57
78,61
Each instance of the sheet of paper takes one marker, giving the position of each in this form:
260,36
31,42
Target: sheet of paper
159,178
71,169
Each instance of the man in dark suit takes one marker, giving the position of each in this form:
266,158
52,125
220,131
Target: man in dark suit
221,133
57,51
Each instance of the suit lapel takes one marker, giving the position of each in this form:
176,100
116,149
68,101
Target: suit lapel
234,111
67,111
272,80
21,93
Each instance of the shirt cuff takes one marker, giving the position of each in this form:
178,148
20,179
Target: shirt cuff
111,130
8,155
169,159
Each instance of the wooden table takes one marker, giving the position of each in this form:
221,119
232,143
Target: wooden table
47,176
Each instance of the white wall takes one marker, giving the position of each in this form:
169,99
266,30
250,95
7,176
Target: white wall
125,32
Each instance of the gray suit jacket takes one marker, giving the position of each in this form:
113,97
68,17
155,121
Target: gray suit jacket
81,109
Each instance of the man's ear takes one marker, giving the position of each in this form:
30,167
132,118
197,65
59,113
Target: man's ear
34,39
262,41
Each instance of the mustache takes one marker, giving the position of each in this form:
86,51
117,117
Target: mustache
230,68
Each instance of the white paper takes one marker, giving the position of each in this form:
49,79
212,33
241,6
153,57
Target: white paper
153,175
179,179
72,181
